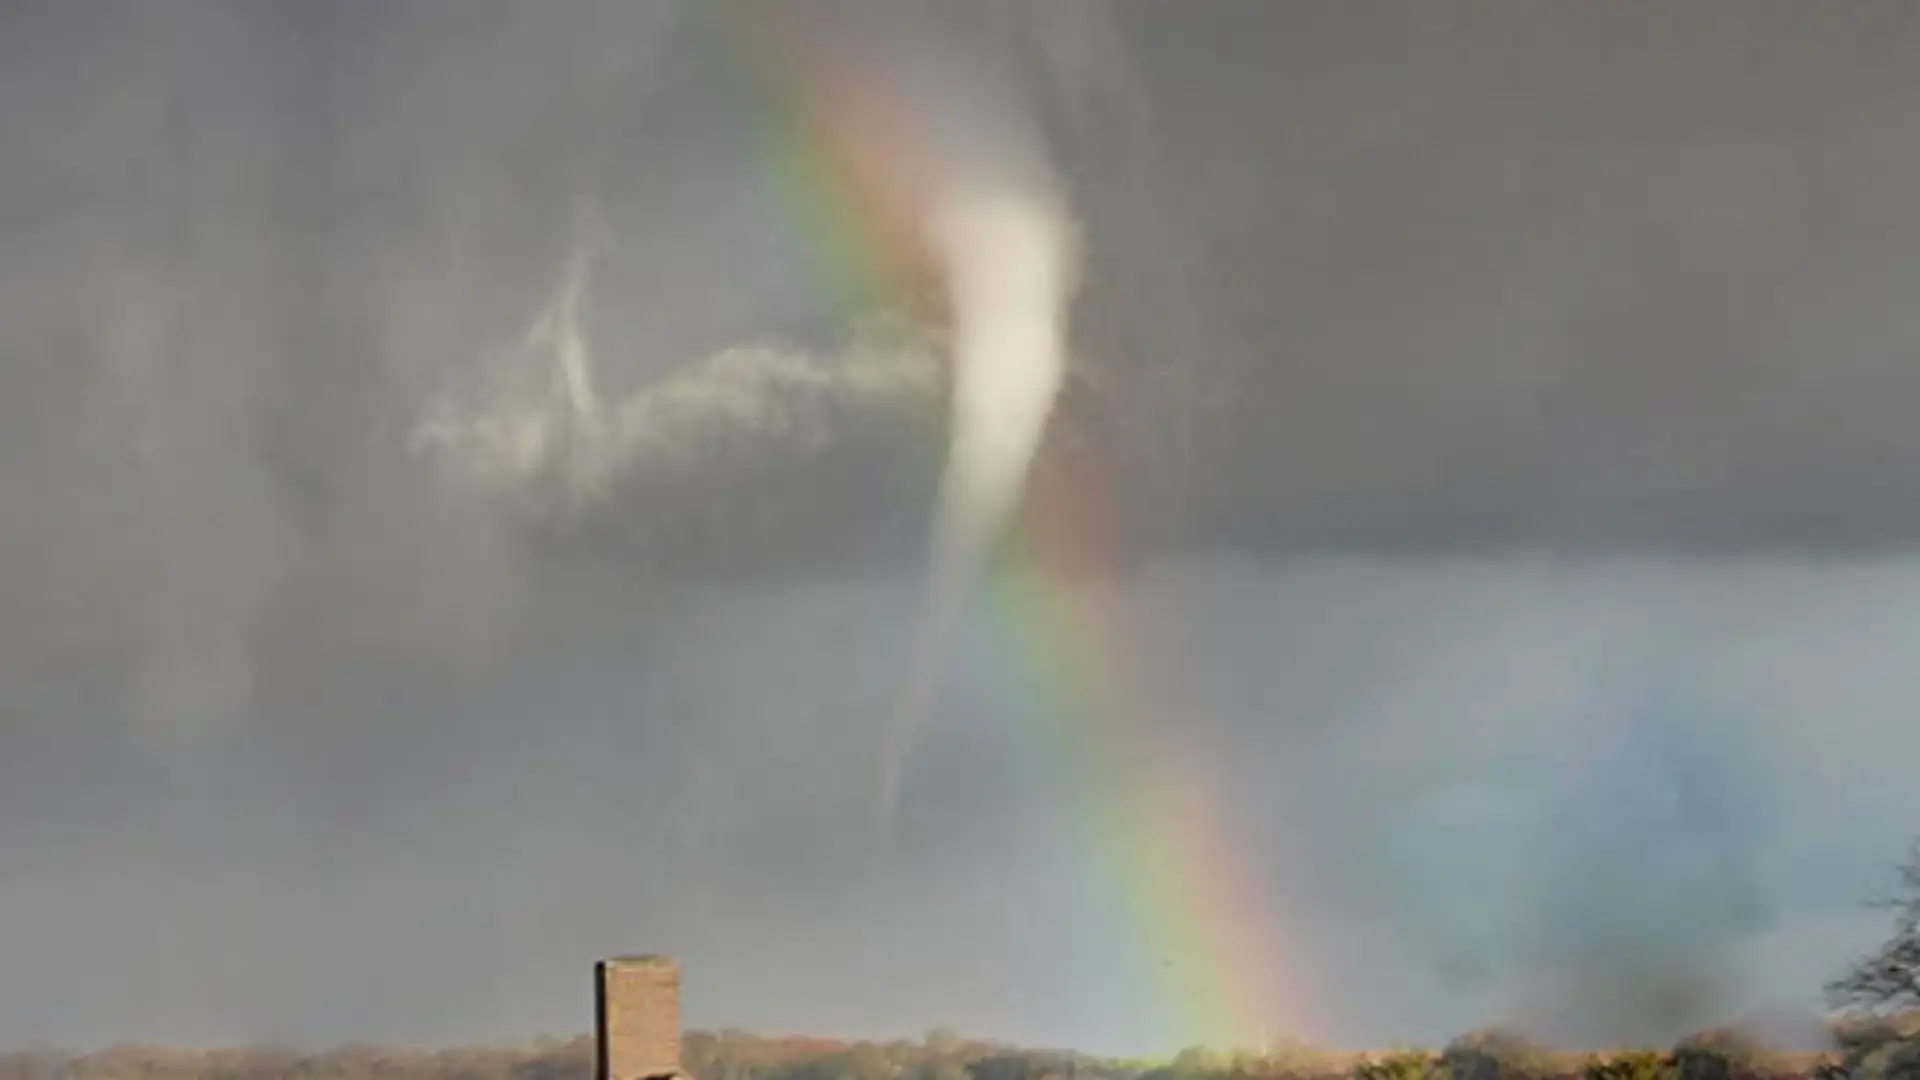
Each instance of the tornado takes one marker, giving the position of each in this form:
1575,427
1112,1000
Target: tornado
928,112
1004,250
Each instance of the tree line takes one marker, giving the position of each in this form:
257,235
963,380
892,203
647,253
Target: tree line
1876,1037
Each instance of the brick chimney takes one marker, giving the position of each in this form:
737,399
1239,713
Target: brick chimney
636,1009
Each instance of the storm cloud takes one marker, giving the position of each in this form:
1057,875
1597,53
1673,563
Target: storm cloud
1489,279
455,527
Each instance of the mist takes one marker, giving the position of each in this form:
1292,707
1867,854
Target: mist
452,533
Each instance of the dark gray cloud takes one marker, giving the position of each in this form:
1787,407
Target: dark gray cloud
342,638
1600,279
1599,282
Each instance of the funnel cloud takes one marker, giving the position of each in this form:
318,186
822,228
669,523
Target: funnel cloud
1004,250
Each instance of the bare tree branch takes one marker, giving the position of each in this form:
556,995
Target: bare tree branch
1889,979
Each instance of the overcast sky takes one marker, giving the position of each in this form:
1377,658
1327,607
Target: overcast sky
1504,413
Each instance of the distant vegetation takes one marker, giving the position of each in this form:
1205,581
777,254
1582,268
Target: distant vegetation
1877,1051
1878,1038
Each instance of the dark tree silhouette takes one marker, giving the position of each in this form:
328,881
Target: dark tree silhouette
1888,980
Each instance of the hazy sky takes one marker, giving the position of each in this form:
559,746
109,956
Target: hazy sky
1505,414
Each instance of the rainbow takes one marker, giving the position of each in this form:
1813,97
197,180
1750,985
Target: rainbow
1144,794
833,160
